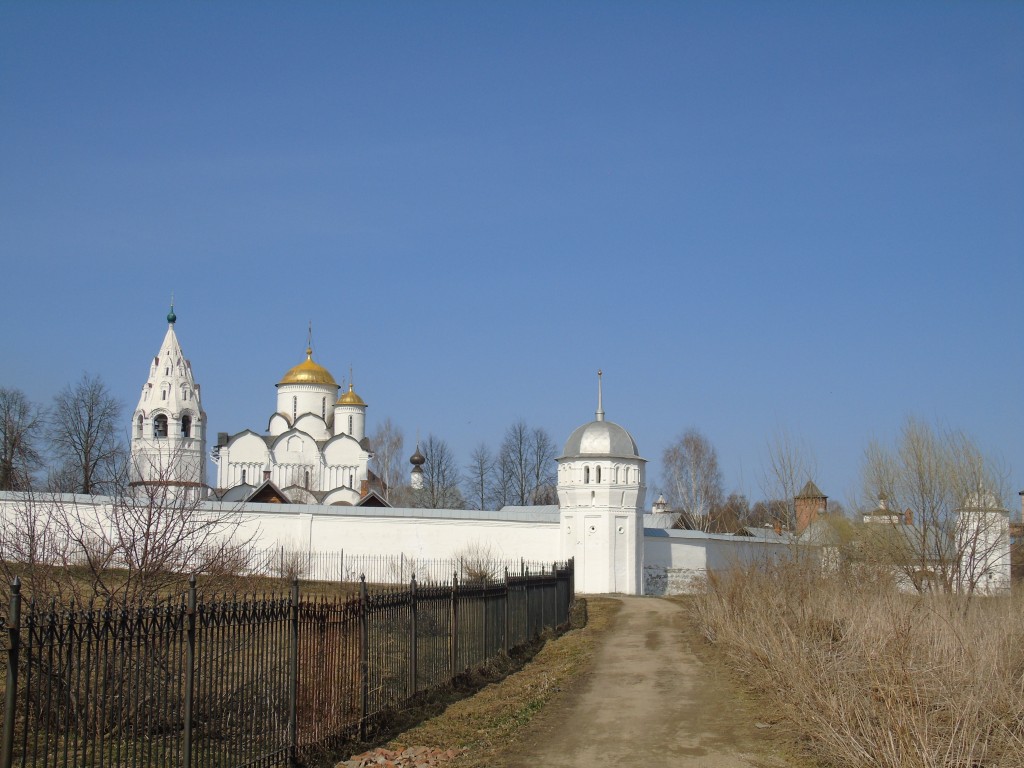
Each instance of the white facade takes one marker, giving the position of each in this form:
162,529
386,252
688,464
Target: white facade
168,443
315,447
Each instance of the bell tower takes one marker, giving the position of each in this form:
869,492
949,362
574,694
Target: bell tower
168,444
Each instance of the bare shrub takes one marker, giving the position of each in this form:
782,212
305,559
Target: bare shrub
478,562
865,675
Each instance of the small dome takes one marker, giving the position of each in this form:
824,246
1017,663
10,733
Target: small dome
417,459
351,398
601,438
308,372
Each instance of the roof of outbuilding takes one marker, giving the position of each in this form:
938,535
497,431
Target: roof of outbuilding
811,491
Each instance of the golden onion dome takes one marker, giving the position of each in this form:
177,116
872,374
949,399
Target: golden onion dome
308,372
351,398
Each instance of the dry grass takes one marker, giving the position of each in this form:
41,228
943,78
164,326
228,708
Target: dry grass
864,676
486,724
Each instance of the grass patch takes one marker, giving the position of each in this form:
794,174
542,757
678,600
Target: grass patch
858,674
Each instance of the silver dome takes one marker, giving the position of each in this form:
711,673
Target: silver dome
600,438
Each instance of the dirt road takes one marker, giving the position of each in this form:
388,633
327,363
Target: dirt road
648,701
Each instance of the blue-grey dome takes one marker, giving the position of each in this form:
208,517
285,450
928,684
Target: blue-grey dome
601,438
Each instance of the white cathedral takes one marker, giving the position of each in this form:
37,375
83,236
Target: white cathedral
315,450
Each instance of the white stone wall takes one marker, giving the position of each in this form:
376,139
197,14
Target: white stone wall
434,534
676,562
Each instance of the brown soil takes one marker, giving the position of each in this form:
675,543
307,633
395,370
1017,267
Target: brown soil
648,700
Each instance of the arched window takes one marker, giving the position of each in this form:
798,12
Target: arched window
323,407
586,475
350,485
138,426
160,426
186,426
243,477
295,408
598,479
350,425
615,475
307,479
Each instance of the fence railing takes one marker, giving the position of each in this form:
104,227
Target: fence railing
342,566
247,681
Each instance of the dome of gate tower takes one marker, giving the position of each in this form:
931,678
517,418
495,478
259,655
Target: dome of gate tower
600,438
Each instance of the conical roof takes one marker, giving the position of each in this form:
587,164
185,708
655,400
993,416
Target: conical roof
811,491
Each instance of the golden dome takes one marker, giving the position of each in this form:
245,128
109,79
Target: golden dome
351,398
308,372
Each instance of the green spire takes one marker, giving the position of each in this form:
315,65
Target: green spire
171,317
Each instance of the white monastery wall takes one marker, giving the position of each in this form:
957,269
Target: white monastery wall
676,561
434,534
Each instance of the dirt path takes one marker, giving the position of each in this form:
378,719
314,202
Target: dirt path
648,701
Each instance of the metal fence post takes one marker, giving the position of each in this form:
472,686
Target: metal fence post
293,676
412,636
364,658
453,647
190,671
506,632
14,627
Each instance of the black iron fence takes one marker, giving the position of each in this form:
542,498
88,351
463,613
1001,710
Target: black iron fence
247,682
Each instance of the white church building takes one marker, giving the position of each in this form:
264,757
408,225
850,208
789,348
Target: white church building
314,449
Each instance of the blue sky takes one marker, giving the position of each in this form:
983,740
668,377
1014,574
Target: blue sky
752,216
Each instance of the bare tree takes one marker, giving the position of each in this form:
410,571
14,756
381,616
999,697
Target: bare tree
139,542
387,462
693,481
479,478
501,490
84,425
440,477
545,480
789,464
20,425
953,524
526,461
32,547
732,514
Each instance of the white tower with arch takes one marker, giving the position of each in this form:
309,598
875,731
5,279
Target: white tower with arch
601,490
983,545
168,445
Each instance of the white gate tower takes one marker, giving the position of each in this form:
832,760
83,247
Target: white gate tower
601,489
